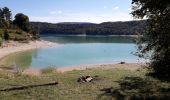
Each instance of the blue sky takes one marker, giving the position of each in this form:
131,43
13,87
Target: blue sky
54,11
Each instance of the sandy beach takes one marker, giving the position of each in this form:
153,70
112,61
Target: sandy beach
13,46
126,66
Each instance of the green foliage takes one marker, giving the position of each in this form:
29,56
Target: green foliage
15,35
137,88
4,23
5,17
1,41
22,21
106,28
6,35
35,33
6,14
19,35
19,29
156,37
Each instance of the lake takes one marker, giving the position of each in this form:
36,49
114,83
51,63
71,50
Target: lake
74,51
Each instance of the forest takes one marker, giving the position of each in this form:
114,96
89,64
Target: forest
105,28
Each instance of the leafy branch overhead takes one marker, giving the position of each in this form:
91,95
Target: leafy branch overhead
155,39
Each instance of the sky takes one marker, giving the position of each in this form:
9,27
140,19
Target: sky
55,11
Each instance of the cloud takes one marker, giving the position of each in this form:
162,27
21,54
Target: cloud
115,8
84,17
59,12
55,12
52,12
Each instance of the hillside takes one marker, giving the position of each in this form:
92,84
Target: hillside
15,35
75,28
17,29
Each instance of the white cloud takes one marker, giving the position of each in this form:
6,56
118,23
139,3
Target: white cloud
52,12
55,12
115,8
59,12
84,17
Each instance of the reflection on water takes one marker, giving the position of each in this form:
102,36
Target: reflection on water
20,60
75,50
89,39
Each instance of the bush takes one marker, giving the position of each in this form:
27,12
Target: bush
6,35
1,41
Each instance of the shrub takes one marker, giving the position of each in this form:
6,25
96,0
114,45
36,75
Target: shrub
6,35
1,41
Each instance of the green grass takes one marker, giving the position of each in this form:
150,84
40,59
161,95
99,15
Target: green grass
68,88
49,70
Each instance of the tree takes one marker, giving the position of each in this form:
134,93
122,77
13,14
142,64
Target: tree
1,41
1,13
1,17
22,21
156,38
5,17
6,14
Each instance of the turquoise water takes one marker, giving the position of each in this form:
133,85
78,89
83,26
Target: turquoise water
76,50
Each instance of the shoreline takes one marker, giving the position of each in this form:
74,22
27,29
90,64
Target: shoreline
126,66
14,46
133,36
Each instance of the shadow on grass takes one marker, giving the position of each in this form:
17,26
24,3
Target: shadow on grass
136,88
160,76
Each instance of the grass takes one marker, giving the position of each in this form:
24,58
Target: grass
68,88
49,70
16,35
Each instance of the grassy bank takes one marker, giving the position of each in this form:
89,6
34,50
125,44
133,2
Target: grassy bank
16,34
68,88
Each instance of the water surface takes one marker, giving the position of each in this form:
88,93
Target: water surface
75,50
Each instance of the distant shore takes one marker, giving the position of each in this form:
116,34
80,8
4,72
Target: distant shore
14,46
84,35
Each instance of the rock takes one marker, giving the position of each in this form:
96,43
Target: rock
122,62
81,79
85,79
88,78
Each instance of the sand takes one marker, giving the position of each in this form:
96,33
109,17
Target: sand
13,46
126,66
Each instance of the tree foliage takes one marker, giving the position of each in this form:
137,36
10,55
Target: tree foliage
106,28
5,17
6,35
18,30
156,38
22,21
6,14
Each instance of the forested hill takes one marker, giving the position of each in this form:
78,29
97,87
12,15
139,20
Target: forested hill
106,28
